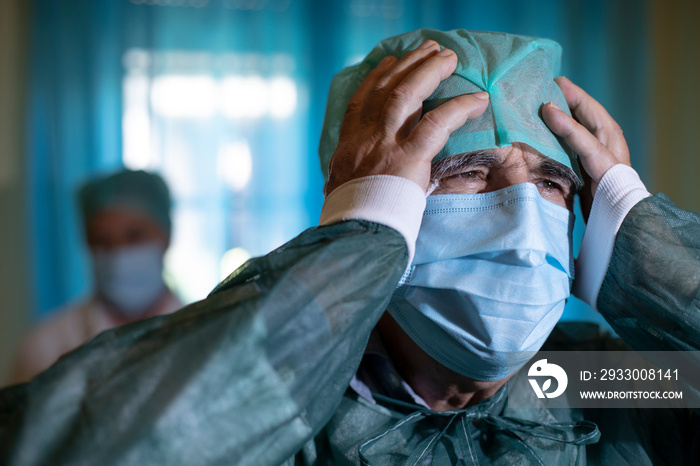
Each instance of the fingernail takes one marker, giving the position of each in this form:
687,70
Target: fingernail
445,53
483,95
554,105
426,45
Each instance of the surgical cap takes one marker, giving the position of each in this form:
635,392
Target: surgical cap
135,191
517,71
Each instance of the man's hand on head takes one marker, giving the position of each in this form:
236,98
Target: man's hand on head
592,133
383,133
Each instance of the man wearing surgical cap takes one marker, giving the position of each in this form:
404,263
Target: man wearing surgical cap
126,217
380,337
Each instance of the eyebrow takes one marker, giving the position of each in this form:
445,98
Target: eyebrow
558,170
547,166
452,164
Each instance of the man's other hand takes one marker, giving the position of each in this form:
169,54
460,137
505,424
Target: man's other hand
382,131
591,133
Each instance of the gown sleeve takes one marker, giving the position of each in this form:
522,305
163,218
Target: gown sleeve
650,296
246,376
651,292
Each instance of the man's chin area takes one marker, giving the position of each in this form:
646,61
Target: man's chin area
465,392
440,387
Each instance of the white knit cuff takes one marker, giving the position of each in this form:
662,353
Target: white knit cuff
619,190
388,200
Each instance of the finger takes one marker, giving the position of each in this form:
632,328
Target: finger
592,115
595,157
378,95
407,97
353,113
407,64
432,132
370,96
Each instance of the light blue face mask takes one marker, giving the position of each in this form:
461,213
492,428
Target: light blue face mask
491,275
130,278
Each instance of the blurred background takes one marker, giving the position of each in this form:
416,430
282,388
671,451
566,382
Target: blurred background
225,99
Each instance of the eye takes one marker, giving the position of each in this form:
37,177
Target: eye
551,185
556,191
135,234
467,175
465,180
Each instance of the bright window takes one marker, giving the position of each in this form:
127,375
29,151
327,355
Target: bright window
223,130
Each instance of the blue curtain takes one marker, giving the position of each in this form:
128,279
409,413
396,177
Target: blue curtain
89,58
73,131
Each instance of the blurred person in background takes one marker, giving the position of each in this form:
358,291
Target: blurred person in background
127,226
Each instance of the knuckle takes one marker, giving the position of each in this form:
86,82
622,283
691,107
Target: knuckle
354,106
601,152
400,93
611,135
617,130
375,94
435,121
611,129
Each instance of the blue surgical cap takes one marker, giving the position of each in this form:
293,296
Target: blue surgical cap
135,191
517,71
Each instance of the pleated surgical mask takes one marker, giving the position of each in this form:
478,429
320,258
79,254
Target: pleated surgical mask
130,278
491,275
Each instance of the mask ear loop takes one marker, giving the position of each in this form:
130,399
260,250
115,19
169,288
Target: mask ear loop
434,184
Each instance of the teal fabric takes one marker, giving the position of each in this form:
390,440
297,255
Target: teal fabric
651,293
654,268
517,71
391,433
258,372
395,433
133,190
246,376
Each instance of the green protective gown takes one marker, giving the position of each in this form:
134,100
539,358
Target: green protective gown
258,372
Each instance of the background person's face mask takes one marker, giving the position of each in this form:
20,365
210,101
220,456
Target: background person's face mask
130,278
491,275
